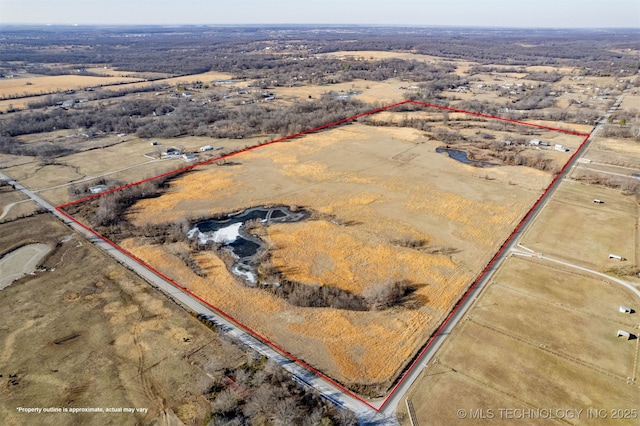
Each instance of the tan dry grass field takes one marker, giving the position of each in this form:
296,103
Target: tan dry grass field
574,228
48,84
88,333
374,92
382,55
146,75
58,83
623,150
206,77
631,102
549,341
462,66
354,173
14,205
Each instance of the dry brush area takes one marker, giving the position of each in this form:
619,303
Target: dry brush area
393,221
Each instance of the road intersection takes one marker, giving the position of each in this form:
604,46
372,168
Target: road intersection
367,412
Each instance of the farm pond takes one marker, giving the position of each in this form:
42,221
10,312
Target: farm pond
230,232
463,157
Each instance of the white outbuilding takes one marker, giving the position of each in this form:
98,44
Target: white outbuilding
625,309
98,189
625,334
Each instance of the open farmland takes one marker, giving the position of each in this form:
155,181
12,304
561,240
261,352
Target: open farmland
373,189
381,223
84,332
107,156
547,321
610,228
574,362
42,84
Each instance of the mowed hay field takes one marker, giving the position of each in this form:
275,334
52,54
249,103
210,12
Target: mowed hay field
548,337
88,333
381,92
36,85
574,228
382,185
31,88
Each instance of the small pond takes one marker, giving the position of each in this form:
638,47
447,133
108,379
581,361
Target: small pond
230,233
462,157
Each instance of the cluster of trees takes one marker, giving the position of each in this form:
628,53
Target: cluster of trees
150,118
627,185
250,120
193,50
12,146
378,296
57,98
536,98
259,392
624,125
106,213
549,77
537,161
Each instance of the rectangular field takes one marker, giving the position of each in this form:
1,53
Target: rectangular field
549,341
573,227
372,192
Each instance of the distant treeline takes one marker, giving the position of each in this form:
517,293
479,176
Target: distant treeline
149,118
189,50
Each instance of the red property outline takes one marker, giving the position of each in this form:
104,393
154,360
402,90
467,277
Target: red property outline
454,309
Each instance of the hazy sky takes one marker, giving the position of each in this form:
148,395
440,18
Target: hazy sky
500,13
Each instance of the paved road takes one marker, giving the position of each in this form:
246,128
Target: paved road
364,413
392,401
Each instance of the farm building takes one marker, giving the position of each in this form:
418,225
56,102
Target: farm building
534,142
98,189
625,334
616,257
597,201
206,148
626,309
188,157
560,148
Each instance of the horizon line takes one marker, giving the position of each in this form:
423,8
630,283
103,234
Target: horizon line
327,25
